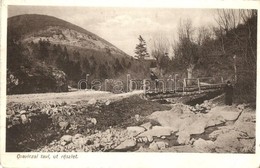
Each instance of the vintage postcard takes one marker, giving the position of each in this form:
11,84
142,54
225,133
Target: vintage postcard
137,84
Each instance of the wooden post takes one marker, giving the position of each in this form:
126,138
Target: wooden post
127,82
175,82
87,75
130,85
222,80
106,80
144,85
184,85
199,84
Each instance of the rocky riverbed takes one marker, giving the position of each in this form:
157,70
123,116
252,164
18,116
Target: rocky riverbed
129,124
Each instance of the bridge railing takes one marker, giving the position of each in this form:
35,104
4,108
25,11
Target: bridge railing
173,85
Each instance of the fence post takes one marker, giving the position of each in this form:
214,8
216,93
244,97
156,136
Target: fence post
144,85
127,82
222,80
184,85
199,84
175,83
130,85
87,75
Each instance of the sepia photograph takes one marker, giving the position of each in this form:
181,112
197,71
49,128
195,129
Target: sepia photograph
83,79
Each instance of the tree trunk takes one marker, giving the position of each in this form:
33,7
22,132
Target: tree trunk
190,72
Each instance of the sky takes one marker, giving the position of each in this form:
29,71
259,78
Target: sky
122,26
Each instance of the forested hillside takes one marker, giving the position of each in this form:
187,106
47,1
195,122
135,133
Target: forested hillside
227,50
48,54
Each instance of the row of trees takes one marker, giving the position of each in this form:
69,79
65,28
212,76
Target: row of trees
228,49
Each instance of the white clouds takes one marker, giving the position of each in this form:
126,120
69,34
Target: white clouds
123,30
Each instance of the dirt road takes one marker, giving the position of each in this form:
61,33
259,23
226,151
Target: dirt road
68,97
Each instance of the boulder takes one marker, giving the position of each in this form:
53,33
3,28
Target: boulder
63,125
203,146
153,146
147,125
183,138
80,142
229,113
215,120
135,130
198,126
246,127
107,102
92,101
66,138
157,131
24,119
126,145
22,112
150,139
162,145
167,119
76,136
137,117
248,145
94,121
228,142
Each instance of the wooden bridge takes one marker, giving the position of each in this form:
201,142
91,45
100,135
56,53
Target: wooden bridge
172,87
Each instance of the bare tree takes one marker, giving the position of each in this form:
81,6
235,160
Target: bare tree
159,50
227,19
203,34
186,49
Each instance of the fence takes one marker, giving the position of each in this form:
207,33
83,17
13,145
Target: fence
174,85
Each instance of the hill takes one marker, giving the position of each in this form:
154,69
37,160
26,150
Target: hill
49,54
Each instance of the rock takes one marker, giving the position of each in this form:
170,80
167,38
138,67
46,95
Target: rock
66,138
80,142
198,126
147,125
24,119
183,138
215,120
229,113
167,119
135,130
94,121
141,149
15,122
137,117
150,139
76,136
63,125
248,145
22,112
126,145
63,143
177,110
157,131
203,146
241,107
228,142
107,102
153,146
92,101
162,145
246,127
144,139
247,116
